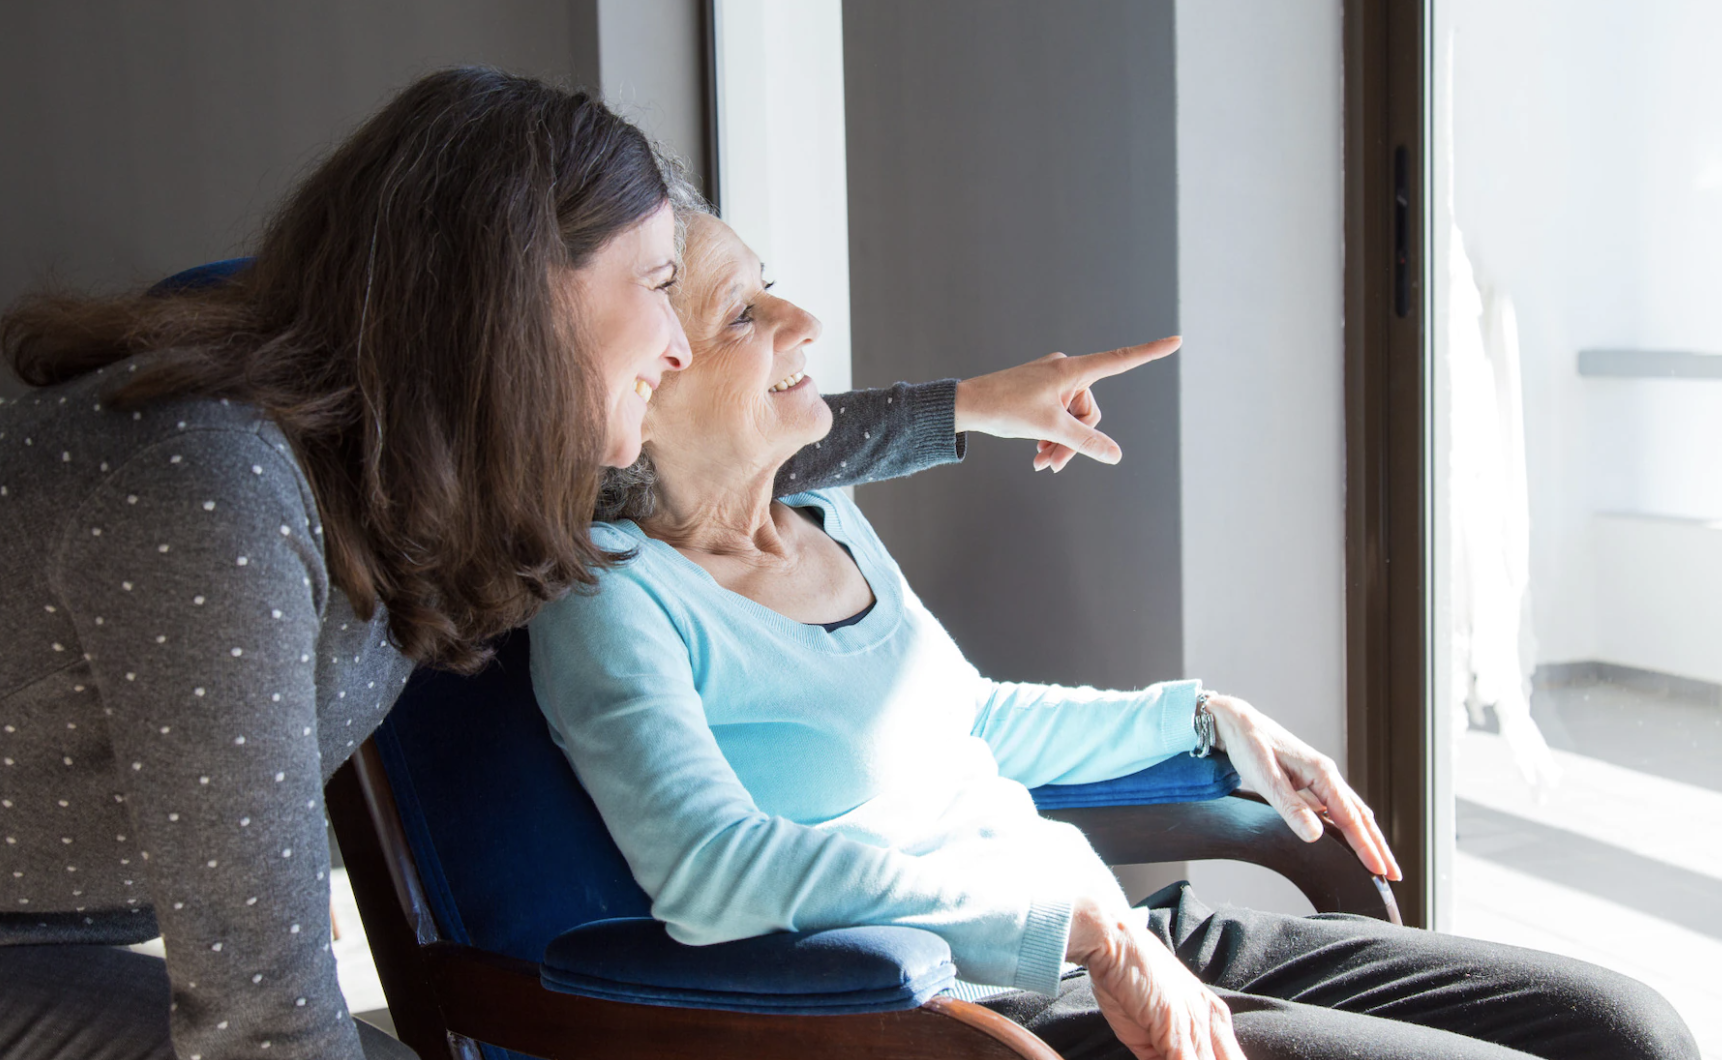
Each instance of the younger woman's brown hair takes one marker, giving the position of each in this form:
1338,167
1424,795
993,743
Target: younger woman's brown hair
406,323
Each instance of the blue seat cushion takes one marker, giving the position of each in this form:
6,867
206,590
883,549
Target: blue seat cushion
1181,778
818,973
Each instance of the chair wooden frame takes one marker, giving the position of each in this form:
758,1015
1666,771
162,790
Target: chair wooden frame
445,997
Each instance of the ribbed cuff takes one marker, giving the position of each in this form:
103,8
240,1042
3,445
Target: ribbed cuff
933,408
1178,714
1040,962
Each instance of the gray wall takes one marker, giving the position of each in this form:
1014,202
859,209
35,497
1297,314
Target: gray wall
653,69
139,139
1013,191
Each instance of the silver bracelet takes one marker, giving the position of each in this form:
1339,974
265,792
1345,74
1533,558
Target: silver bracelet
1204,723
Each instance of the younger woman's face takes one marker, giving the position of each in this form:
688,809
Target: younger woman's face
627,330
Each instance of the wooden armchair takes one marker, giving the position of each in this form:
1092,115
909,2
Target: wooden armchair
461,967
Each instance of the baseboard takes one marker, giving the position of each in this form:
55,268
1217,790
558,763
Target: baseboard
1590,672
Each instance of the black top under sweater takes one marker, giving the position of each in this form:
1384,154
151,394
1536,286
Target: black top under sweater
180,678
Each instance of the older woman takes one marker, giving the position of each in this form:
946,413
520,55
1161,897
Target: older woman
781,737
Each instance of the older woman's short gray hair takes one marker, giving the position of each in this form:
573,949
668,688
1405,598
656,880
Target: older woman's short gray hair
631,492
685,196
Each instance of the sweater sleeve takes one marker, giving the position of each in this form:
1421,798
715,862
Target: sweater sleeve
879,434
1051,734
197,587
613,674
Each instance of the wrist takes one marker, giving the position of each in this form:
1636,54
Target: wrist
965,417
1099,933
1226,711
983,404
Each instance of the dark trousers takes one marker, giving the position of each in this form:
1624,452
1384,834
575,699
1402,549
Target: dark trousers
102,1003
1334,986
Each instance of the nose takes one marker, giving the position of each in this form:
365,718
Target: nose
807,328
678,354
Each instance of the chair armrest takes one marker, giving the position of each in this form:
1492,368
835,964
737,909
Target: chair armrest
847,970
1240,827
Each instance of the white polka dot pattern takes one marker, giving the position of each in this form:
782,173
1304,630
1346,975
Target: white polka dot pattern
878,434
168,717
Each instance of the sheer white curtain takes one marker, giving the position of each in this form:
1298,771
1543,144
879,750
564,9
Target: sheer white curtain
1488,507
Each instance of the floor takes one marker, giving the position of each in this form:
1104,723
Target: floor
1621,862
358,975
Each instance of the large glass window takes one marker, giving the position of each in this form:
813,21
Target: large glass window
1577,453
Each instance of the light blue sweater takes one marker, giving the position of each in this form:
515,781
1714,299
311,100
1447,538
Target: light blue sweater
762,775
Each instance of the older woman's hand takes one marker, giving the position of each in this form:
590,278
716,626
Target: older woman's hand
1049,399
1155,1005
1298,781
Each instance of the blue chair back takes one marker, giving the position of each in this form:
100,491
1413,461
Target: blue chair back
511,849
213,274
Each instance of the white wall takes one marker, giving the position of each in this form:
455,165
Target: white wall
1658,607
1587,176
1260,257
782,158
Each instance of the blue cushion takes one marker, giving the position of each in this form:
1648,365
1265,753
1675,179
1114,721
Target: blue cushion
862,969
1181,778
209,275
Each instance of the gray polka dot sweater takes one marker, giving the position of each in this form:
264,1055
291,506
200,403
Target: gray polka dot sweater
179,679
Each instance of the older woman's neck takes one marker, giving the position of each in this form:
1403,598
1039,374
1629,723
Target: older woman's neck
727,515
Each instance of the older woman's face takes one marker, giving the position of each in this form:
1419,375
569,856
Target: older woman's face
627,330
746,400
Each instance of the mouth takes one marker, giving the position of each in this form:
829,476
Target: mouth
644,389
788,382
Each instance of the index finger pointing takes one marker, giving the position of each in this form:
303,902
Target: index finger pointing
1092,366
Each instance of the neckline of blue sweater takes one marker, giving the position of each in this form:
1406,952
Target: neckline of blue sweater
689,583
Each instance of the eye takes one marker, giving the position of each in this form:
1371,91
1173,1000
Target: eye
670,284
746,316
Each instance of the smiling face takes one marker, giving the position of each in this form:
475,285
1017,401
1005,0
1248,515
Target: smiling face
746,404
627,329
